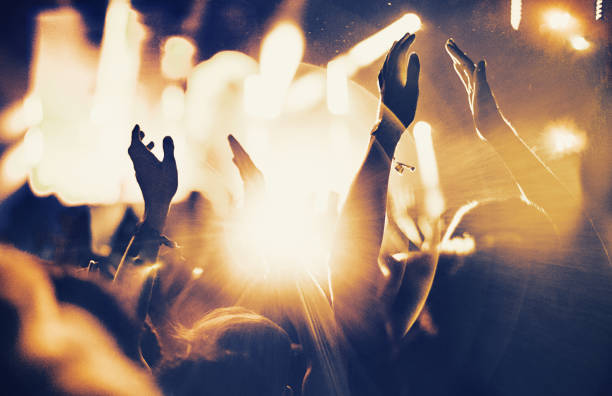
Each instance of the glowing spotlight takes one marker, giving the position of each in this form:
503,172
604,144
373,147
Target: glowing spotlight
515,13
276,240
197,272
177,58
281,53
428,169
375,46
337,87
579,43
563,140
598,10
558,20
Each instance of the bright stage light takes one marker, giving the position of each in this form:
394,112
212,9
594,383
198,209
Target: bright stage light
563,140
281,53
598,10
367,51
277,238
558,20
579,43
337,87
177,58
515,13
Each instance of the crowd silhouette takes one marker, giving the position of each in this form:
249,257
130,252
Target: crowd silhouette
162,316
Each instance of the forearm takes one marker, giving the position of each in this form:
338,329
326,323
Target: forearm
144,246
535,179
354,262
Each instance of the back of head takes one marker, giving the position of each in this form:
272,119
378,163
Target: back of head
230,351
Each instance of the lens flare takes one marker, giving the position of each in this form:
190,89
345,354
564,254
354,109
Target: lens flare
563,140
278,238
559,20
579,43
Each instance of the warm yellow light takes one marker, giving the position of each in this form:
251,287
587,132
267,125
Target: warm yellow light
598,10
428,169
277,239
32,110
337,87
375,46
305,92
177,58
197,272
515,13
281,53
173,103
562,140
459,245
579,43
558,20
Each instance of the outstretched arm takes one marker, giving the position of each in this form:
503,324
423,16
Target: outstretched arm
158,181
534,178
355,275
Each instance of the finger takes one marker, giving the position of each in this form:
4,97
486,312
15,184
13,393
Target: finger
168,150
482,88
412,74
457,54
135,134
238,151
398,58
486,105
382,73
150,145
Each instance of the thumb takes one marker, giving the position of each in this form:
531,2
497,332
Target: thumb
168,149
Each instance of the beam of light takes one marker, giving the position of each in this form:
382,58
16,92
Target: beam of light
428,169
177,57
562,140
277,239
281,53
367,51
173,103
579,43
558,20
337,87
598,10
515,13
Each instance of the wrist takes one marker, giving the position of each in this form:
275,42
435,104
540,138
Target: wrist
155,216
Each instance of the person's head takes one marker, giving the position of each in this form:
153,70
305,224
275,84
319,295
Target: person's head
230,351
55,348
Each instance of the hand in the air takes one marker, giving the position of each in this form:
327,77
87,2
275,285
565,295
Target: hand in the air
482,103
251,176
158,180
398,80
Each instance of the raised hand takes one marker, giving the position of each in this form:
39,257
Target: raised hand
398,81
158,180
482,103
249,173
